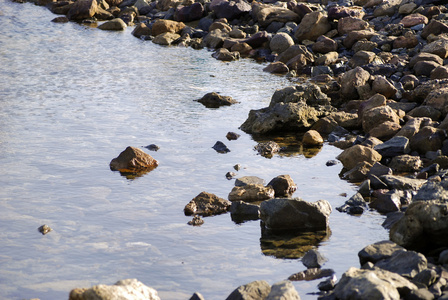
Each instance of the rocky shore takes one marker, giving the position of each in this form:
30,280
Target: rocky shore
368,76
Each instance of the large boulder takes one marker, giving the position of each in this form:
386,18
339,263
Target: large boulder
255,290
82,9
161,26
295,214
424,226
377,115
230,9
133,160
312,26
352,156
206,204
114,25
128,289
280,42
189,13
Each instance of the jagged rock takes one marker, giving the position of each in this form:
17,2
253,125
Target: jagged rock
395,146
353,206
254,290
427,139
251,193
206,204
196,221
311,274
352,156
353,82
313,25
425,111
283,290
438,47
281,213
123,289
402,183
214,100
386,202
220,147
133,160
267,149
358,173
431,190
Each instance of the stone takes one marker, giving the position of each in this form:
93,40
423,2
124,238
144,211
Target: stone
280,42
431,190
348,24
364,45
411,127
424,68
385,130
266,14
232,136
312,138
383,86
313,25
438,47
82,9
397,145
295,214
354,36
425,111
166,38
245,180
223,26
409,40
311,274
443,257
297,63
196,221
379,169
225,55
386,202
220,147
60,20
294,51
440,72
189,13
324,45
44,229
141,31
251,193
355,154
276,68
254,290
377,115
413,19
362,58
338,12
327,59
352,81
405,263
438,99
378,251
267,149
241,210
243,48
423,227
355,205
406,163
231,9
214,39
283,186
215,100
402,183
206,204
358,173
435,27
162,26
133,160
423,56
427,139
283,290
372,284
313,259
376,100
197,296
258,39
123,289
115,24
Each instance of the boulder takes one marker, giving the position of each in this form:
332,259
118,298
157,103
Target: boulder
352,156
376,100
348,24
243,48
324,45
141,31
307,93
114,24
189,13
406,163
438,47
207,204
133,160
313,259
423,227
280,42
354,36
241,211
425,111
214,39
221,25
423,56
358,173
435,27
362,58
440,72
427,139
372,284
338,12
122,290
413,20
411,127
283,186
295,214
294,51
397,145
161,26
258,39
353,82
254,290
245,180
276,68
409,40
166,38
312,274
312,138
402,183
298,63
225,55
383,86
214,100
405,263
424,68
82,9
231,9
378,251
313,25
432,190
385,130
377,115
266,14
251,193
283,290
438,99
386,202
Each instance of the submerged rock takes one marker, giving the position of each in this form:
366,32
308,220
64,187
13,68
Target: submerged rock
207,204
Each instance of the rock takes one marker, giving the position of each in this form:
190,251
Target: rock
141,31
324,45
294,51
402,183
297,63
378,170
372,284
376,100
249,180
358,173
397,145
223,26
283,186
327,59
385,130
133,160
258,39
413,19
280,42
354,36
355,154
214,100
438,99
276,68
197,296
220,147
382,86
312,138
410,128
241,210
443,257
438,47
196,221
230,175
254,290
60,20
353,206
427,139
423,56
348,24
166,38
162,26
431,190
352,83
231,9
378,251
386,202
377,115
406,163
152,147
424,111
283,290
123,289
295,214
313,25
435,27
44,229
266,14
409,40
362,58
440,72
267,149
82,9
328,284
206,204
311,274
115,24
189,13
423,227
424,68
338,12
251,193
364,45
225,55
313,259
243,48
405,263
232,136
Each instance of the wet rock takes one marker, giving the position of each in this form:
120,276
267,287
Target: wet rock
276,68
402,183
378,251
166,38
405,263
267,149
355,154
313,25
232,136
311,274
225,55
142,31
280,214
424,226
328,284
397,145
152,147
427,139
283,290
44,229
133,160
386,202
82,9
313,259
254,290
372,284
353,206
214,100
251,193
162,26
123,289
60,20
354,82
115,24
283,186
220,147
358,173
280,42
249,180
242,211
312,138
230,175
406,163
196,221
206,204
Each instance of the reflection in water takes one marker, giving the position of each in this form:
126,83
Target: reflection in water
290,145
290,244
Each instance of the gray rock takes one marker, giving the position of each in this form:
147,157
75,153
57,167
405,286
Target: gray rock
220,147
295,213
197,296
245,180
426,277
311,274
355,201
387,202
231,9
328,284
283,290
406,163
395,146
243,210
443,257
313,259
379,169
283,186
254,290
378,251
280,42
402,183
308,93
214,100
377,184
405,263
432,191
267,149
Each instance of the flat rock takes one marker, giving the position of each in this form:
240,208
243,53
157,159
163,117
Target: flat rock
215,100
251,193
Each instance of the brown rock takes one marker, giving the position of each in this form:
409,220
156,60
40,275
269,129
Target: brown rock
324,44
375,116
276,68
251,193
423,56
214,100
293,51
221,26
338,12
82,9
243,48
438,98
312,26
354,36
364,45
280,42
424,111
374,101
358,173
297,63
114,25
406,163
425,68
434,27
361,58
161,26
166,38
427,139
226,55
141,31
266,14
382,86
347,24
283,186
407,41
133,160
414,19
438,47
411,127
206,204
352,81
312,138
352,156
327,59
385,130
441,72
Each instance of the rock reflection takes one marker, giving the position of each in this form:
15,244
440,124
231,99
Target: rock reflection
290,244
132,174
290,145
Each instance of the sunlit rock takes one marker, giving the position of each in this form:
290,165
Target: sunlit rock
283,186
207,204
133,161
215,100
251,193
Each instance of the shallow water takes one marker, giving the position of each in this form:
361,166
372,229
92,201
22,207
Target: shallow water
71,99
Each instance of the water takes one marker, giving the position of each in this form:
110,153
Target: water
71,99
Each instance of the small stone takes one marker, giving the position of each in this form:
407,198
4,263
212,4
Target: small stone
312,138
237,167
196,221
220,147
313,259
152,147
230,175
267,149
44,229
249,180
232,136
